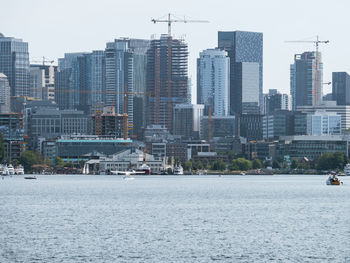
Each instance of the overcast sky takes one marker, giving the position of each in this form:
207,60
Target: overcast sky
53,28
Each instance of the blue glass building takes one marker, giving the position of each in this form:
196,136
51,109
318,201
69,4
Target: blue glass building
245,50
341,88
14,63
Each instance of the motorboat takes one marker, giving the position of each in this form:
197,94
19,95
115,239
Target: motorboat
347,169
333,180
10,170
144,169
178,170
30,177
19,170
3,170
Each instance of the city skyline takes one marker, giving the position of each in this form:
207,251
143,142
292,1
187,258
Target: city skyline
63,33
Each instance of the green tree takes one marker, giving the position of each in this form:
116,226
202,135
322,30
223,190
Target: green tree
256,164
29,158
59,161
69,164
187,166
218,165
338,160
294,164
2,148
276,164
240,164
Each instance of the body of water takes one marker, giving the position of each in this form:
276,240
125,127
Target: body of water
174,219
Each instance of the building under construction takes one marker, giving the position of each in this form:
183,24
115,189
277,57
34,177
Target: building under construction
167,79
108,123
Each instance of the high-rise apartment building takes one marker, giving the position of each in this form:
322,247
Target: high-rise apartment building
213,81
306,76
14,63
341,88
4,94
167,79
245,50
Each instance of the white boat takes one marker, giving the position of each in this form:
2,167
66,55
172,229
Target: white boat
178,170
347,169
3,169
126,174
10,170
19,170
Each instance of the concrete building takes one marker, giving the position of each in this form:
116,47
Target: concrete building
330,107
5,92
213,81
107,123
84,147
167,79
306,80
131,159
245,50
324,123
278,123
311,147
341,88
221,126
12,130
14,63
276,101
187,120
251,126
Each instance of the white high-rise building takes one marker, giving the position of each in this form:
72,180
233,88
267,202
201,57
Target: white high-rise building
213,81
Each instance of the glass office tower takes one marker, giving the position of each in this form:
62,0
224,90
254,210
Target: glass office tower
243,47
14,63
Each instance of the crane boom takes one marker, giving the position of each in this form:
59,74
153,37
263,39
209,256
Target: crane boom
170,21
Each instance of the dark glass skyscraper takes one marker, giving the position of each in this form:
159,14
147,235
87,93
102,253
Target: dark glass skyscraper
305,80
14,63
341,88
245,50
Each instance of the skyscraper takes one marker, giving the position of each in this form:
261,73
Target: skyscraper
126,76
213,88
341,88
14,63
4,94
245,50
167,79
306,80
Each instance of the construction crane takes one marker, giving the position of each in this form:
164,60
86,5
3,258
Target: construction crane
317,42
43,61
170,21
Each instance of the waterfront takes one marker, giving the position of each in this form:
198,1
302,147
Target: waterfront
174,219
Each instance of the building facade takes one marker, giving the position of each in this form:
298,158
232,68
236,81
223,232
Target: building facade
167,79
14,63
5,92
245,50
187,120
213,81
324,123
341,88
306,77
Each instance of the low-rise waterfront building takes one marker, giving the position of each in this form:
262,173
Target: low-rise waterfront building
131,159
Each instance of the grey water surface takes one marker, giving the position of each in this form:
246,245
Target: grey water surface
174,219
